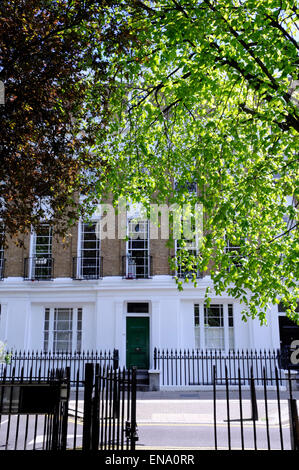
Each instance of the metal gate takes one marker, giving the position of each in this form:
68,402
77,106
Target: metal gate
109,408
47,412
34,411
255,420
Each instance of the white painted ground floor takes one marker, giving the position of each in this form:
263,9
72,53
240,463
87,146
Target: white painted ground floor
133,316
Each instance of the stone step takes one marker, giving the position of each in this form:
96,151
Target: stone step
142,379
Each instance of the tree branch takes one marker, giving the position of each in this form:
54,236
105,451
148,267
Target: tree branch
282,234
245,46
275,24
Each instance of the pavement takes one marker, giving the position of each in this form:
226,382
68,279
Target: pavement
177,420
197,407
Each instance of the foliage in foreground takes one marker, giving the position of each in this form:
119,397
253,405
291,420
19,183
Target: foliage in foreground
209,96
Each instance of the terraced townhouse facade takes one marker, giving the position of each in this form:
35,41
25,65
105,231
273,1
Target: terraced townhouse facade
90,294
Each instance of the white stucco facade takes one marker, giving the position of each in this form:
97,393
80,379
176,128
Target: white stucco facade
104,312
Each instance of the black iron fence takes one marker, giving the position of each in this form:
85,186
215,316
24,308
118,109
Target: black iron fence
46,413
99,413
196,367
109,409
34,411
255,420
38,363
177,367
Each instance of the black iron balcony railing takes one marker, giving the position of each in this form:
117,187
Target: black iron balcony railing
87,268
2,267
235,256
137,267
181,271
39,268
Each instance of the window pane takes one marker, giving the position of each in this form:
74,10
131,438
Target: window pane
197,338
214,326
46,329
196,324
230,316
79,330
79,315
62,346
63,325
231,327
214,315
234,252
43,241
214,338
41,264
62,335
62,329
196,315
137,263
138,307
183,263
231,338
90,252
63,313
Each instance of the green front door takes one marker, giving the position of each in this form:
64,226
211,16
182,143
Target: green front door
138,342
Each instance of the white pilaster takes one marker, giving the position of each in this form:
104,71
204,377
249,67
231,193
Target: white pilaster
27,331
155,328
225,324
3,322
120,332
201,326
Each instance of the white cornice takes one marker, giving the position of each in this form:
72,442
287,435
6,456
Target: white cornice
108,286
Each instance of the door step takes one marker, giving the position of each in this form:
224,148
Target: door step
142,377
142,380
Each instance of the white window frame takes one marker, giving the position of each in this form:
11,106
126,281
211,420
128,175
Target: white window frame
81,224
191,246
49,329
130,267
200,327
32,250
230,248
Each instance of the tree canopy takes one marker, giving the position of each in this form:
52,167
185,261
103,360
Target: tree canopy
126,96
51,54
208,95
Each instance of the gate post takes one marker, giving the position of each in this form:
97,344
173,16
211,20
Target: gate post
293,416
214,406
294,424
95,426
87,412
64,397
133,433
254,408
56,437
